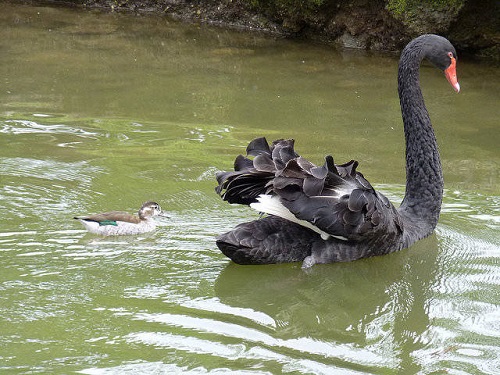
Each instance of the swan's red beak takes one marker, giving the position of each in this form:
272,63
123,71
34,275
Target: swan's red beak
451,74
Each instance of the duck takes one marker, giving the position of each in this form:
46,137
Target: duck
116,223
331,213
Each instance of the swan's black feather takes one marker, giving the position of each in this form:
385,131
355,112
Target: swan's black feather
246,187
269,240
241,163
258,146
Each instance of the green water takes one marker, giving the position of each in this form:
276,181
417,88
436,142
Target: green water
105,111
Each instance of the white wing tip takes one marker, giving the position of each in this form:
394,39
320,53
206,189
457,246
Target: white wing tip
272,205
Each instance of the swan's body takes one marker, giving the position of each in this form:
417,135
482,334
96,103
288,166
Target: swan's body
332,213
117,223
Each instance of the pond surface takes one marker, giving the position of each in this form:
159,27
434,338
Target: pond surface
105,111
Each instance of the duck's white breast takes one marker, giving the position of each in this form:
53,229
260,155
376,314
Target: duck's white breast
121,228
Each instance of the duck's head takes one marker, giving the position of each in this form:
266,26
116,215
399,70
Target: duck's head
150,209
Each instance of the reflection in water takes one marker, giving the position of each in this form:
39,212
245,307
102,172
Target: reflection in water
105,111
378,304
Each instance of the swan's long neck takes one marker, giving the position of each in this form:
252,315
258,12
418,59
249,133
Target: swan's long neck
424,179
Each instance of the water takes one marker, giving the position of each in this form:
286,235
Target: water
106,111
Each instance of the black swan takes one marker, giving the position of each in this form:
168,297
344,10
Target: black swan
331,213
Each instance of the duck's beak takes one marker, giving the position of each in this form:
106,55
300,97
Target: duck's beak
451,74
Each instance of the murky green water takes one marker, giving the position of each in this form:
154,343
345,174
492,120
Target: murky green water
105,111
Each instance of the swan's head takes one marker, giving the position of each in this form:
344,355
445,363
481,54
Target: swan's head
442,54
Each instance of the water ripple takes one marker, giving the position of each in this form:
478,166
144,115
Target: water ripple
254,336
31,127
159,368
48,169
40,190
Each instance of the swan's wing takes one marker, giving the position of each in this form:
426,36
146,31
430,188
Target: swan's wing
333,200
251,177
337,200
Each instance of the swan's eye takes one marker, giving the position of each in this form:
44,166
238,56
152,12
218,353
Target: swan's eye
450,55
